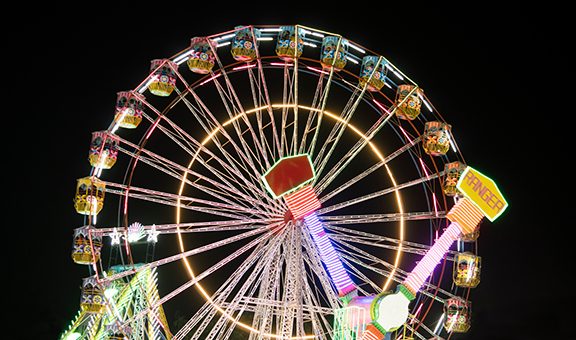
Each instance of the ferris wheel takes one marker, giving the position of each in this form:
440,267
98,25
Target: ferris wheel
277,182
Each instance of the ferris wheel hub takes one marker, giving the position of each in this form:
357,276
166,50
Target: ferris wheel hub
288,216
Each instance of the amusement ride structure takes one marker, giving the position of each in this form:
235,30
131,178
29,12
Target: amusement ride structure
278,182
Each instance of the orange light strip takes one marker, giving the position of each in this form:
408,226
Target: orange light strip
466,214
302,202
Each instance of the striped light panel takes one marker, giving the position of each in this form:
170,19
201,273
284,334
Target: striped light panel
426,266
336,270
466,214
372,333
302,202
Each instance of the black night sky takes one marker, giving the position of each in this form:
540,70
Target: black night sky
479,72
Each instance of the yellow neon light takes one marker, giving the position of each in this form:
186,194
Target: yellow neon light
201,289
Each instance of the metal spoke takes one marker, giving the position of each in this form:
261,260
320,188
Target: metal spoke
206,206
193,227
237,109
339,128
324,101
244,158
266,95
204,274
222,183
195,251
294,145
312,115
355,150
228,286
378,218
345,161
255,276
378,193
235,175
255,88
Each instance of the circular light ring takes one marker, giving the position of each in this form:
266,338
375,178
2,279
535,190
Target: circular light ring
376,151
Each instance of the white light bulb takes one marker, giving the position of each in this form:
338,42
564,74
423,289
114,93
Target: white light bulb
393,311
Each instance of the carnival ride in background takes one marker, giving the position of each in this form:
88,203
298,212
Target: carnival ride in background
301,175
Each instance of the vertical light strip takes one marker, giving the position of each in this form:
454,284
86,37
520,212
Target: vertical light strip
424,168
416,313
439,324
329,256
435,201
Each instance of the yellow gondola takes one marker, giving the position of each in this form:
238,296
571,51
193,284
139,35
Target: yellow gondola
103,150
457,312
466,272
329,56
89,198
163,77
202,57
83,244
289,44
92,300
245,43
408,102
373,73
129,109
452,173
436,141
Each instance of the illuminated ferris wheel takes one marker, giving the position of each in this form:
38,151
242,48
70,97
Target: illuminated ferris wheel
278,182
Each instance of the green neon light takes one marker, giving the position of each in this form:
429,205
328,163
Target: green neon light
73,336
269,189
406,292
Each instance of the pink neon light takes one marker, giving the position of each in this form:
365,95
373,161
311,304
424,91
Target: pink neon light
406,135
281,64
382,107
126,202
417,312
211,78
126,242
244,67
426,266
434,202
152,128
128,190
316,70
424,167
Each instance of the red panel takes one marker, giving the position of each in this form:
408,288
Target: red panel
289,173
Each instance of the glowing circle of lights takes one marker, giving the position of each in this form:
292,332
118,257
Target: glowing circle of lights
211,135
